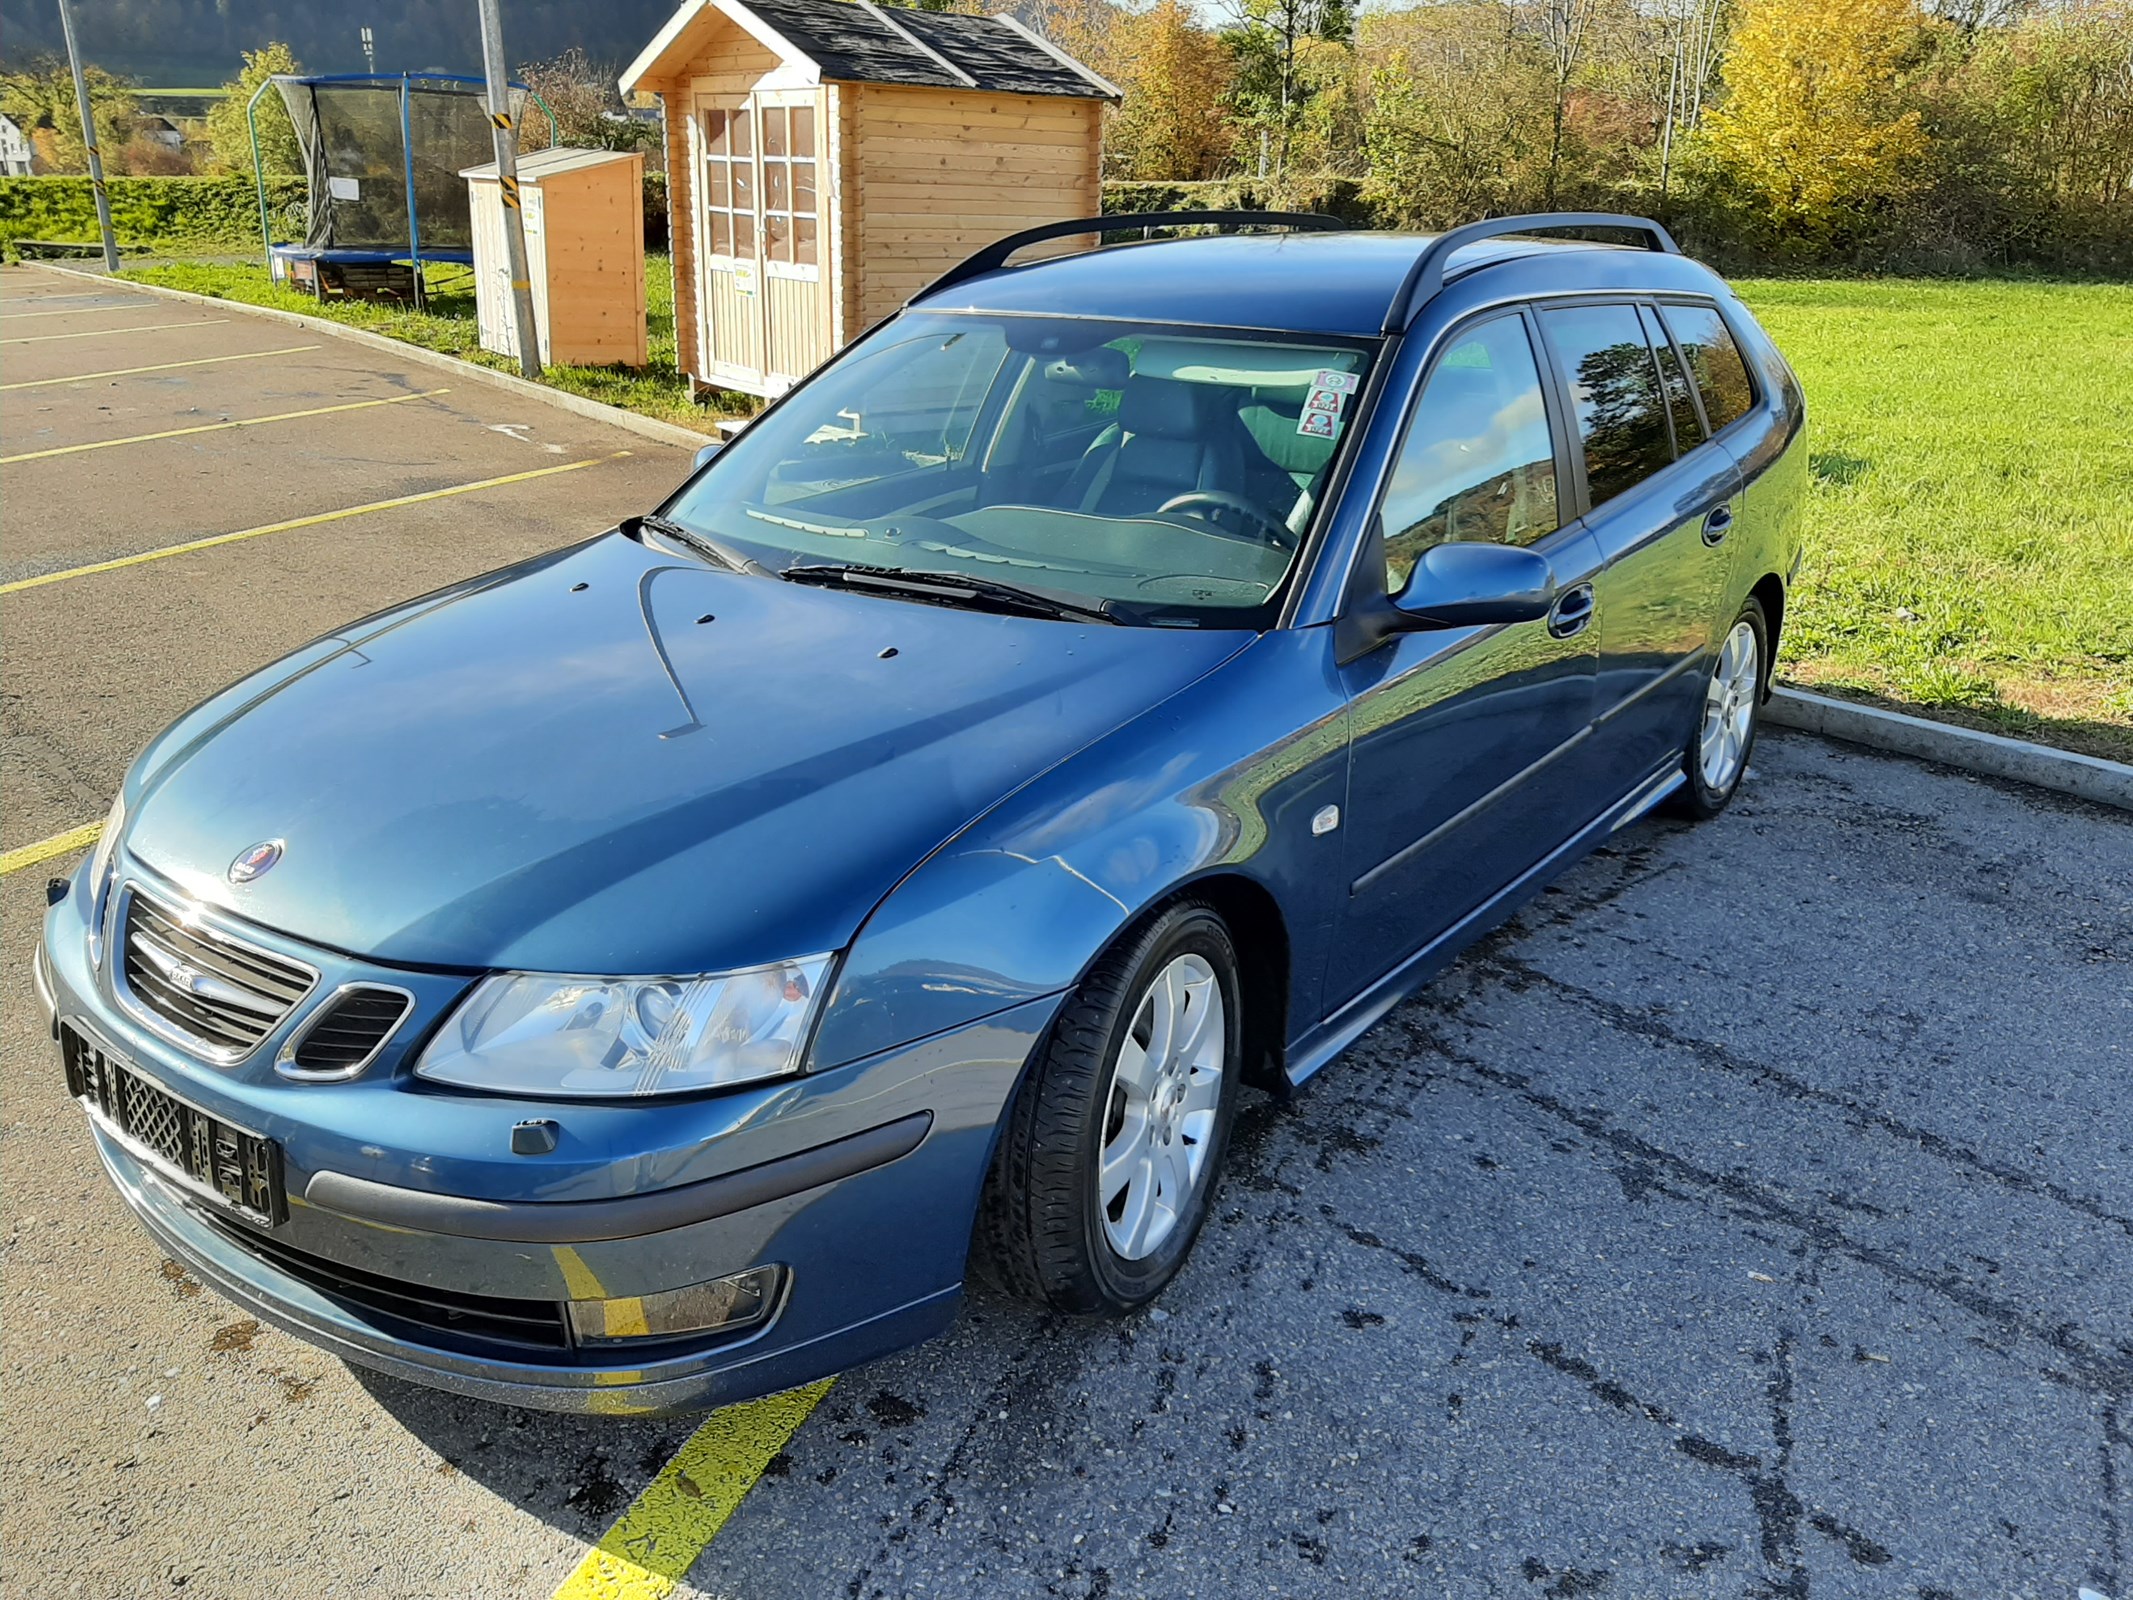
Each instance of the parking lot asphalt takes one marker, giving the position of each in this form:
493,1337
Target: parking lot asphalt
1752,1217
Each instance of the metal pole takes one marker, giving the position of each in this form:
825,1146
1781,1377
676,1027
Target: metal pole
88,135
499,76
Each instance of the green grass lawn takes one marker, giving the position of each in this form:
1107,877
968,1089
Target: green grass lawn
448,325
1970,530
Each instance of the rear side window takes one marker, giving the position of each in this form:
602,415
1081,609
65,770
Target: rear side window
1478,461
1714,361
1688,427
1614,390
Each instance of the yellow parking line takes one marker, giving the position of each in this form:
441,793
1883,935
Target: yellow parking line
302,522
58,845
105,333
649,1551
78,311
217,427
161,366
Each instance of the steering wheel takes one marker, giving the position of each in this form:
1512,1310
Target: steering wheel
1214,500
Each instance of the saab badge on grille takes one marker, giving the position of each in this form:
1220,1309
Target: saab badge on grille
256,862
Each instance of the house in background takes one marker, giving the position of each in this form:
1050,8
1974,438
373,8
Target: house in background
826,159
15,152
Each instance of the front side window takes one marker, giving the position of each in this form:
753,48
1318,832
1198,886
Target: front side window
1714,362
1166,475
1614,391
1478,461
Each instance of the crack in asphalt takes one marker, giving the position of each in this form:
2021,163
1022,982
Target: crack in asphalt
1519,975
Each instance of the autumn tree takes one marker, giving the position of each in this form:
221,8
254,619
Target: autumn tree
229,135
1814,121
1457,115
39,98
1289,54
1175,74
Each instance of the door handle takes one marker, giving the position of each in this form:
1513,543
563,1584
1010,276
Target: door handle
1716,522
1573,608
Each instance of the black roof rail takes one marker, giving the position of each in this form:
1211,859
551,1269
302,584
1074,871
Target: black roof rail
1426,276
995,254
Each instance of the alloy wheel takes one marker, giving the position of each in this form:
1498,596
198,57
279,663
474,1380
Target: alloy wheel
1159,1115
1729,708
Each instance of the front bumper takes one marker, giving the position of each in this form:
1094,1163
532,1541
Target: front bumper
861,1181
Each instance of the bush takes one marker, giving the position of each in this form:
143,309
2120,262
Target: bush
1336,196
146,213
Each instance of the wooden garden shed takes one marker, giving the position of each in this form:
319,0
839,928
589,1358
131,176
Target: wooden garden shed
828,158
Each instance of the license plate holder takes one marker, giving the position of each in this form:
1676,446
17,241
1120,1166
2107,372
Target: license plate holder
206,1155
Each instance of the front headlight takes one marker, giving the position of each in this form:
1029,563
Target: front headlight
100,863
595,1038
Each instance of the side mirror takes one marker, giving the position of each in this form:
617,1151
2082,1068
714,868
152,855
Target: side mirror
1462,585
707,452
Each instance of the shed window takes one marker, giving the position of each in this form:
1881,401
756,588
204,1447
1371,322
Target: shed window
759,179
729,183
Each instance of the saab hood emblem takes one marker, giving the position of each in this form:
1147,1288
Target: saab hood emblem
256,862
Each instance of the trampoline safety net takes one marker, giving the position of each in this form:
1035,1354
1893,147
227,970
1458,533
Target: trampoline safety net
356,160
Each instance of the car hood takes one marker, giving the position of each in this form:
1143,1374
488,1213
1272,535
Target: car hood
616,760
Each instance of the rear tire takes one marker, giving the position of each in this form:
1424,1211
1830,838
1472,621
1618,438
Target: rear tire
1727,717
1113,1147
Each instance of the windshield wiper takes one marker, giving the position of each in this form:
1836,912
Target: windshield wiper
922,584
724,554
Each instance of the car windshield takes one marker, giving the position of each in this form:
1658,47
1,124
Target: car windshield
1156,474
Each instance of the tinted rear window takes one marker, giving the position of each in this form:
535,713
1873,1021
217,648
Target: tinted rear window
1614,388
1688,427
1714,362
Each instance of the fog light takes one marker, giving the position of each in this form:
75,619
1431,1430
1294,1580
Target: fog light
724,1305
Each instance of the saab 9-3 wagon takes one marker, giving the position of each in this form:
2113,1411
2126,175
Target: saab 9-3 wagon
656,973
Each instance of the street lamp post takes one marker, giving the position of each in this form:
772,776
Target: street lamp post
492,55
88,134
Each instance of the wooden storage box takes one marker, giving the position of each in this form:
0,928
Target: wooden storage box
584,214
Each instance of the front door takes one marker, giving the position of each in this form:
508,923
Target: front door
764,319
1458,780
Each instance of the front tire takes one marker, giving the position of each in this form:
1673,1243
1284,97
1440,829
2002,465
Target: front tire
1727,718
1111,1154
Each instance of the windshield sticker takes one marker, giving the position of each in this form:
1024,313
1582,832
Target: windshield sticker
1326,400
1339,382
1319,425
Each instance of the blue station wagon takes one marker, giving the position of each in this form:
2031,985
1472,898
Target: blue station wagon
656,974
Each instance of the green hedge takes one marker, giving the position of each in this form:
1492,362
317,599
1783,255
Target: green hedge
145,212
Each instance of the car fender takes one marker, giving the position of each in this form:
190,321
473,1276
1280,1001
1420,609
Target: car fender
1225,778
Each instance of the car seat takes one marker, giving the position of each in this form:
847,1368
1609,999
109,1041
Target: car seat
1170,438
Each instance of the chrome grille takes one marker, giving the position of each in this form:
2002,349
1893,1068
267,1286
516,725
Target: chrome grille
213,991
347,1030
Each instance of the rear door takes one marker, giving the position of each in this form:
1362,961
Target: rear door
1660,513
1458,779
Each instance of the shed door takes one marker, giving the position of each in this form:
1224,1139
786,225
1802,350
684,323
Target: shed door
765,319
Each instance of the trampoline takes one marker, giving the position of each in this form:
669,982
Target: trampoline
384,198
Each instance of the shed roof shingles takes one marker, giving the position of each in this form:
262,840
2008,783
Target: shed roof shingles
845,41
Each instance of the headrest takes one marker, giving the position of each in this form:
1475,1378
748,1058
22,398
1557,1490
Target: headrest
1100,368
1165,408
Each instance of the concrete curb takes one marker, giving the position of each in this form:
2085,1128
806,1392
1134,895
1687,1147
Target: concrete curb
2088,777
650,427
